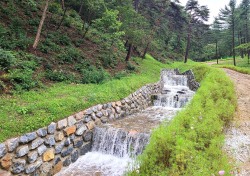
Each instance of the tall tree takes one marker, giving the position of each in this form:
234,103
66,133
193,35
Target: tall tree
41,25
197,16
227,15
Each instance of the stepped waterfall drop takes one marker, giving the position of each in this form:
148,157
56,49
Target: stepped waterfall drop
116,144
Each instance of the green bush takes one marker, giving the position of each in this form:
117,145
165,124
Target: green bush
70,55
94,75
120,75
60,76
22,79
7,59
48,46
131,67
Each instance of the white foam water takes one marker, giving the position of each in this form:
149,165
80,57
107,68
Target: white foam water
97,164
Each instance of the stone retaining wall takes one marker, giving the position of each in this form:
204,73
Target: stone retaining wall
47,150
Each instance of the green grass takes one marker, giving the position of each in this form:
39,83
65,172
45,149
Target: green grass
21,113
242,64
192,143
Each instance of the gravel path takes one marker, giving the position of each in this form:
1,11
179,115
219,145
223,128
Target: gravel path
237,142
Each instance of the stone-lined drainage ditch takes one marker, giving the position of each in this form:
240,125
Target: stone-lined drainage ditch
116,144
107,140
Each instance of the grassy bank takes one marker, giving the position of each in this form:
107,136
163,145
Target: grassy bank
21,113
191,144
242,65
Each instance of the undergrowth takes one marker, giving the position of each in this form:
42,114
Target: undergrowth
192,143
28,111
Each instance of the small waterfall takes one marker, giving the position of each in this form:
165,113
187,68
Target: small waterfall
116,145
119,143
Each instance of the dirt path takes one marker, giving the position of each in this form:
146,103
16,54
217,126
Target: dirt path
238,135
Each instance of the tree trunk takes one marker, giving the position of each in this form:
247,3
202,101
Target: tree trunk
216,54
248,57
63,4
187,47
80,10
136,5
41,25
64,14
233,40
130,47
145,51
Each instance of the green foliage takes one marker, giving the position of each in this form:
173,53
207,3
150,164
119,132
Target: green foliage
191,143
63,99
22,79
60,76
7,59
70,55
48,46
93,75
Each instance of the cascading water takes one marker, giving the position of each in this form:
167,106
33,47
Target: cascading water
115,145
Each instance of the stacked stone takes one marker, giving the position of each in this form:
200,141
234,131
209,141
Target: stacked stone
192,84
47,150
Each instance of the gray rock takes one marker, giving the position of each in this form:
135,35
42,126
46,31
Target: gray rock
59,136
89,111
62,124
32,156
3,150
79,124
99,114
93,116
11,144
46,168
22,150
87,136
52,128
59,147
50,140
87,118
94,108
57,160
41,149
42,132
18,165
67,151
104,119
99,107
111,117
27,137
71,120
32,167
36,143
81,130
105,106
67,161
67,142
74,156
105,113
78,142
85,148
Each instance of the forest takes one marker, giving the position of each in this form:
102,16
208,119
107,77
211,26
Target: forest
91,41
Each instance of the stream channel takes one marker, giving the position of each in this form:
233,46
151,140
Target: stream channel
116,144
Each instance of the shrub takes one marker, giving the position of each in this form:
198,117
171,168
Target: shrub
130,66
94,75
69,55
48,46
120,75
60,76
22,79
7,59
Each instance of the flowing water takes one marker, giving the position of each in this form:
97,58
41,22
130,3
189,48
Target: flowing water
115,145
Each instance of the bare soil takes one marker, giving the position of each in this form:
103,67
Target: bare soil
237,139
